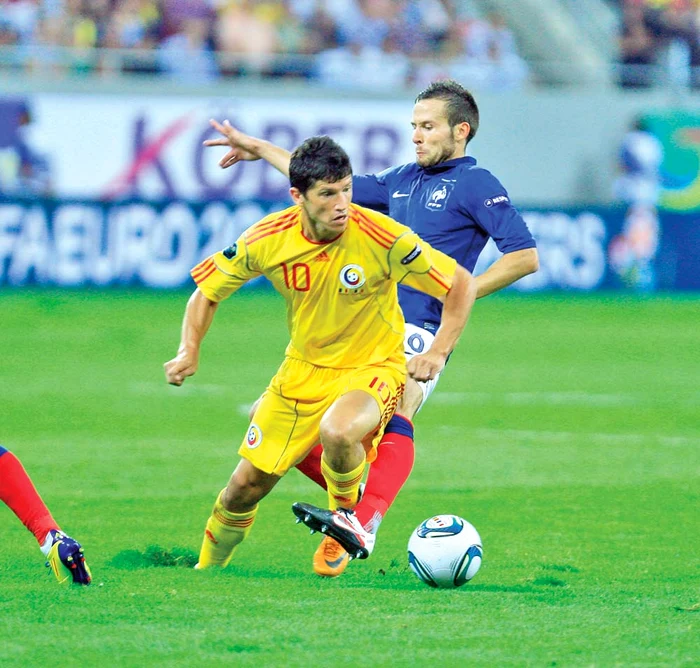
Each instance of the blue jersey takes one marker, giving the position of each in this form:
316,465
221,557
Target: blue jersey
455,206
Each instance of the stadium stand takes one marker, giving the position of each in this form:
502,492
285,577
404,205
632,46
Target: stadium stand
384,43
495,44
552,41
650,42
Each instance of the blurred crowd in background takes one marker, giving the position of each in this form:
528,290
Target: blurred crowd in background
349,44
341,43
663,37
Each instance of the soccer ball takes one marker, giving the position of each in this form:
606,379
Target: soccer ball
445,551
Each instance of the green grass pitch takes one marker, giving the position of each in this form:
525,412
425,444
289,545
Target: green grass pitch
566,429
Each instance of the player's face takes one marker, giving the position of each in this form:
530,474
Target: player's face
435,140
326,207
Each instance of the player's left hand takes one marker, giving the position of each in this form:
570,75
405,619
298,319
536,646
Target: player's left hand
426,366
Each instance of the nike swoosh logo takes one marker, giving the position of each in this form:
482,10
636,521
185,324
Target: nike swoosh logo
398,194
337,562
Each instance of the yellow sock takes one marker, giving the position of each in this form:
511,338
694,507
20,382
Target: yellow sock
343,488
224,532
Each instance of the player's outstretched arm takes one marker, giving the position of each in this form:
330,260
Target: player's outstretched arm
198,317
509,268
455,314
247,148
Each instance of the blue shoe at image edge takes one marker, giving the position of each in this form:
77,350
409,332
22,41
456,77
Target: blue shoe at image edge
67,561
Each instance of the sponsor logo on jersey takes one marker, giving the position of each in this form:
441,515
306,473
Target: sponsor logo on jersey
412,255
397,194
230,252
439,196
323,257
491,201
254,437
352,276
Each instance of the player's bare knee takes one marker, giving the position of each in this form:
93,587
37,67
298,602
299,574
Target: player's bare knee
336,438
341,439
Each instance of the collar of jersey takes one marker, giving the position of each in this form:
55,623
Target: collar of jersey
450,164
319,243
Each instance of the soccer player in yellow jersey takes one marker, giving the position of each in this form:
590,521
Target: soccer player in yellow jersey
337,266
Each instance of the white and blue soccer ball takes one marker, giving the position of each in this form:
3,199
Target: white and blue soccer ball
445,551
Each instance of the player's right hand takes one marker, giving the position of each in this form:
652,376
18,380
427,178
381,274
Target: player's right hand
426,366
243,146
180,367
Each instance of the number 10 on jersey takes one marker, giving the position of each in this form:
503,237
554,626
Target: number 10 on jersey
297,277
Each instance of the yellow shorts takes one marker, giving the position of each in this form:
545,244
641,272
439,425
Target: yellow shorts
285,426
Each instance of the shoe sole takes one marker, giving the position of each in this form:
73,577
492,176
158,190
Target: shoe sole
320,519
81,573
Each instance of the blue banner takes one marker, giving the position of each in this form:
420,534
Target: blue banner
79,243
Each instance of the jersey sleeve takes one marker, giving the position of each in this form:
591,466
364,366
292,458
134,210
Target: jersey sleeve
221,274
371,190
490,206
416,263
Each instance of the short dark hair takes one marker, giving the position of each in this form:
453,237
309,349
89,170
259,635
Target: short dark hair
318,159
460,103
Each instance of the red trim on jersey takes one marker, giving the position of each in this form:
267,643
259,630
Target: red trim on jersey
204,276
380,231
438,278
256,237
372,235
259,227
444,277
202,267
321,243
255,232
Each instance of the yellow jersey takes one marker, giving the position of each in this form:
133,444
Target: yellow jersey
342,305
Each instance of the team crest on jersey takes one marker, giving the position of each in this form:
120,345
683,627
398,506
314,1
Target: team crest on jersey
439,196
254,437
352,278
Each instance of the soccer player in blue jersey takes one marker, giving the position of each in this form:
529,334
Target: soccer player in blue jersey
456,206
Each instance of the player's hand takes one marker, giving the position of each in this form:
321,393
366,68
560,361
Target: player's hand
181,367
243,146
426,366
